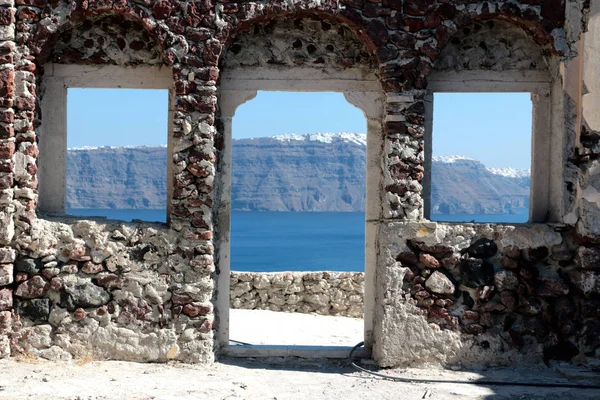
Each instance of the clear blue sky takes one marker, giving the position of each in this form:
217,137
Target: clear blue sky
492,128
276,113
116,117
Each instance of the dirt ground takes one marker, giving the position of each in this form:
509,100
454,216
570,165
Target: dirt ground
256,379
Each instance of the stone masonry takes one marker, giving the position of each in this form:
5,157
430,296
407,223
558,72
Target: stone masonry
520,293
325,293
444,293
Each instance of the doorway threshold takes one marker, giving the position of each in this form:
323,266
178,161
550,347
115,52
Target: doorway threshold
253,350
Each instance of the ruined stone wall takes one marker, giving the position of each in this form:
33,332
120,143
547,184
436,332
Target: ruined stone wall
325,293
494,293
146,292
107,290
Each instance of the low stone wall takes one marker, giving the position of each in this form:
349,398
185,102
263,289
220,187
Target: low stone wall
326,293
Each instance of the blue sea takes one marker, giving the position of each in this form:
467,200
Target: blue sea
296,241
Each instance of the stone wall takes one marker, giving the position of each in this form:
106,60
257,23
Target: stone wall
107,41
108,290
297,42
491,45
483,293
146,292
325,293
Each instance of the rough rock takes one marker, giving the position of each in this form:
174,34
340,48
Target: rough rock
7,255
552,287
6,299
475,272
508,299
91,268
537,254
83,294
5,322
32,288
588,258
586,282
194,310
439,248
439,283
6,274
482,248
107,280
37,310
506,280
429,261
28,265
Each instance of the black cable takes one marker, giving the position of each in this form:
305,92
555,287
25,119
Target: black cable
478,382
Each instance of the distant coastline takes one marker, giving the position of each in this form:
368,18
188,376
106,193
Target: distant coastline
300,173
160,215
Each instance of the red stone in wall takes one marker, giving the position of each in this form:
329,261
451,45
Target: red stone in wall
7,149
7,83
7,16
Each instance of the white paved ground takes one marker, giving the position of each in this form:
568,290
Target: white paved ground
278,328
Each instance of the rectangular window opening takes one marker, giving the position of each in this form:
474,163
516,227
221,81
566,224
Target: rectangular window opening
117,154
297,221
481,161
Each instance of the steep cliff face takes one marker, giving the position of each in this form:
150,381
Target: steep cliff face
320,172
299,173
117,177
463,186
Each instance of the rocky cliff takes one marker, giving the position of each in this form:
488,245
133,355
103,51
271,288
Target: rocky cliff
117,177
320,172
299,173
464,186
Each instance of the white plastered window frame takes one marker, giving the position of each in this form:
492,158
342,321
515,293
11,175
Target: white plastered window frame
56,81
546,138
362,90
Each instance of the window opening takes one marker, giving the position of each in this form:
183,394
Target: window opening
298,201
117,153
481,157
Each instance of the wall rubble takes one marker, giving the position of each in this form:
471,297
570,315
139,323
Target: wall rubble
325,293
